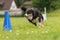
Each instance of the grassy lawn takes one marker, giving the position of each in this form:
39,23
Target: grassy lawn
23,30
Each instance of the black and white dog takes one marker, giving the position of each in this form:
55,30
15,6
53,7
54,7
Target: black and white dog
34,16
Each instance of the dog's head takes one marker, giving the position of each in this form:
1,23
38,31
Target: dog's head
28,13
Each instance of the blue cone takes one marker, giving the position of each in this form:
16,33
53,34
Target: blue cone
7,25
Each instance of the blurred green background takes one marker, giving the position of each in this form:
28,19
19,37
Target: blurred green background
24,30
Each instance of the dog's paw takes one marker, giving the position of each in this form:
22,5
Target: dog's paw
40,25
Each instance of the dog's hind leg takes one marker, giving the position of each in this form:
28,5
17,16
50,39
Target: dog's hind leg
42,23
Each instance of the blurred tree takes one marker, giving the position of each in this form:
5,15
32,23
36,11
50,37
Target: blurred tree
19,2
49,4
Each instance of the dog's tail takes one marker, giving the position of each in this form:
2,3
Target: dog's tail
23,9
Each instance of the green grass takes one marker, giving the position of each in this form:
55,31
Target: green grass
23,30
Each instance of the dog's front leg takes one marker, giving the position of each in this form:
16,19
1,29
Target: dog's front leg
32,22
40,23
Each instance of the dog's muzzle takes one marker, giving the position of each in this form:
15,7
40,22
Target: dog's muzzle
28,17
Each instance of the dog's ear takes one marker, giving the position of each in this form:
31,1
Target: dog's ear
23,9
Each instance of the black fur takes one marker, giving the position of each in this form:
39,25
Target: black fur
23,8
35,12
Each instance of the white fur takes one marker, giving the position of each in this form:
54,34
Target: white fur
26,15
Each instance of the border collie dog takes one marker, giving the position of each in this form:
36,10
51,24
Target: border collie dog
34,16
